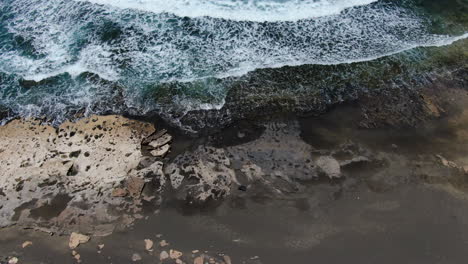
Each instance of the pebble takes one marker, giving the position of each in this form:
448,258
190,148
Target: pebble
198,260
76,239
13,260
174,254
26,244
136,257
163,255
149,244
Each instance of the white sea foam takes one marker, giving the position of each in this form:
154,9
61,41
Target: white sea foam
241,10
154,47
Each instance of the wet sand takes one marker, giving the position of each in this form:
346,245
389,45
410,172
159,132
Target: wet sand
405,205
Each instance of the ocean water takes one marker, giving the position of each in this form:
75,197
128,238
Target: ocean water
63,58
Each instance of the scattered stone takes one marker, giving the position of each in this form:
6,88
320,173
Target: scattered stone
227,259
119,192
149,244
163,243
136,257
212,261
179,261
447,163
135,186
159,235
198,260
465,169
13,260
76,239
163,140
26,244
160,152
101,246
77,257
329,166
174,254
164,255
195,251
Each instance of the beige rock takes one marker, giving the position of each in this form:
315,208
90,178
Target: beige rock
164,255
26,244
119,192
13,260
227,259
465,169
135,186
76,239
161,151
329,166
89,158
149,244
163,140
136,257
174,254
77,258
101,246
179,261
198,260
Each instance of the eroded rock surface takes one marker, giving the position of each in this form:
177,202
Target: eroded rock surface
75,176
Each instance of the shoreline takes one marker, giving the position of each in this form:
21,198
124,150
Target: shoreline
264,161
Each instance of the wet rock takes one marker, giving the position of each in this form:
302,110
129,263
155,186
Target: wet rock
174,254
198,260
227,259
136,257
164,255
13,260
149,244
329,166
76,239
26,244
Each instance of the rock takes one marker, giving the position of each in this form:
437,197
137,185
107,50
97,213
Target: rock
447,163
163,140
329,166
198,260
135,186
465,169
136,257
174,254
149,244
13,260
179,261
164,255
212,261
76,239
101,246
77,257
163,243
160,152
26,244
195,251
227,259
119,192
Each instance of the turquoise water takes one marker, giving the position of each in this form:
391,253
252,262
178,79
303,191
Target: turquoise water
63,57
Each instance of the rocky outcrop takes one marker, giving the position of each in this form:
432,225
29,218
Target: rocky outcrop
74,176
